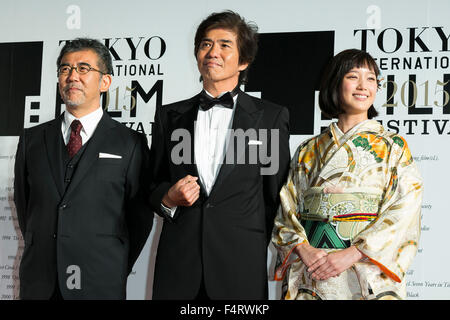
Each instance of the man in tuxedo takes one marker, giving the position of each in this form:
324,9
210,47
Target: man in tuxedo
212,180
81,189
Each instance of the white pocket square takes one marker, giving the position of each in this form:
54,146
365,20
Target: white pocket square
254,142
109,155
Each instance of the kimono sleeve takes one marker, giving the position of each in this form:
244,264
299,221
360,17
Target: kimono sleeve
391,241
288,232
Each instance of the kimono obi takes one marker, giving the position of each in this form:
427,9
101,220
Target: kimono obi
351,204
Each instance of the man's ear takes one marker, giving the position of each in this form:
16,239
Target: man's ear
243,66
105,82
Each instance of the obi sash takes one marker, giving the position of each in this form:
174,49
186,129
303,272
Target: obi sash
322,211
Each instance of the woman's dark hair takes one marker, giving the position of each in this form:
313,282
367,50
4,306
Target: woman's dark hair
338,67
79,44
246,34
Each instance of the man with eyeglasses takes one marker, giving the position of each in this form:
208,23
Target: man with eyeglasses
80,189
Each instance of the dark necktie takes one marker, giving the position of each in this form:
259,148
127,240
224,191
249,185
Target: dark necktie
75,139
206,102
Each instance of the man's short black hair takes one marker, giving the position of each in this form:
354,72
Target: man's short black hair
338,67
79,44
246,34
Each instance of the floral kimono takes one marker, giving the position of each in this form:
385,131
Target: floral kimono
360,188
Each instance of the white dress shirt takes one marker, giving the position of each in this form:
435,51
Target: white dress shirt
211,133
89,123
210,137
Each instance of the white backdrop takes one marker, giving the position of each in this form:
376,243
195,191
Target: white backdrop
152,46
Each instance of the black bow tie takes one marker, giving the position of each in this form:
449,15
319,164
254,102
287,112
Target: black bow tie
207,102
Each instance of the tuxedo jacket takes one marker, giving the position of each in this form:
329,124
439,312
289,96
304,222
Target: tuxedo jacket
222,238
85,233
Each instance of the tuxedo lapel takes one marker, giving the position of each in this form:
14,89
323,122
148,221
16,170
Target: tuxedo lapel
90,155
247,116
184,118
53,145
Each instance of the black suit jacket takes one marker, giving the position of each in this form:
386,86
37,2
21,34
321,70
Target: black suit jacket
222,238
93,230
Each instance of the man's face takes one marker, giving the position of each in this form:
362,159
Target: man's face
218,59
82,91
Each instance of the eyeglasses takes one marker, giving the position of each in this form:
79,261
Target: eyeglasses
81,68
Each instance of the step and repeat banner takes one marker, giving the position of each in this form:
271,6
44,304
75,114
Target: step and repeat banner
152,46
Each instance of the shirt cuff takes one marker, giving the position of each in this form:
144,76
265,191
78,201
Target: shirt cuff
169,211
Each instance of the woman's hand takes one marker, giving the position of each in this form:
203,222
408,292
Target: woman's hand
311,257
336,263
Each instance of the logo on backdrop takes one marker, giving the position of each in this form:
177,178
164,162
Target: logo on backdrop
415,64
20,85
287,71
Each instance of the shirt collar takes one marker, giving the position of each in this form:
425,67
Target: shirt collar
89,121
235,91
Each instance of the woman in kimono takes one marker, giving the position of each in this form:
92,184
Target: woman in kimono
349,221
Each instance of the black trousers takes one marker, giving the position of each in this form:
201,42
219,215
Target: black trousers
202,295
57,293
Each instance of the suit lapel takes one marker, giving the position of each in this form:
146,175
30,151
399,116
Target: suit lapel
246,116
90,155
184,118
53,145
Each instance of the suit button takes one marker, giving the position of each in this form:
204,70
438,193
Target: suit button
208,206
54,236
63,206
67,180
